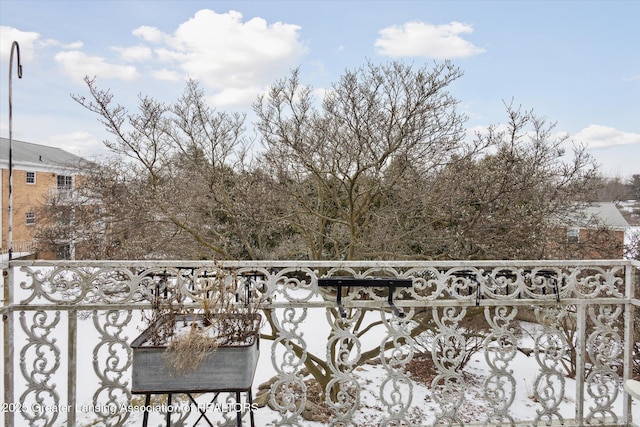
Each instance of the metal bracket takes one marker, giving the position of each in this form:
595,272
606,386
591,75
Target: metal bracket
471,275
552,277
374,282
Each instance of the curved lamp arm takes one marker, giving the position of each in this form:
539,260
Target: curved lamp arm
14,47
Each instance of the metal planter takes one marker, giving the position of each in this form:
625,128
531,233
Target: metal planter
228,368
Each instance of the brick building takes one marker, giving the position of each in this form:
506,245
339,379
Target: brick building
594,231
38,171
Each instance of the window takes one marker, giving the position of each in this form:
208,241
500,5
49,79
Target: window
64,182
63,252
31,218
31,177
573,235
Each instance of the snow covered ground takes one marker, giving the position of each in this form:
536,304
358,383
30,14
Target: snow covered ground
372,411
423,410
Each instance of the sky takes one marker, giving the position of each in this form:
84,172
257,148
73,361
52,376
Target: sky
577,63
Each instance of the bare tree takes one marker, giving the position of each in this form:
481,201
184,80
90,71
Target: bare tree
378,128
613,190
503,202
185,166
107,216
376,169
379,168
634,186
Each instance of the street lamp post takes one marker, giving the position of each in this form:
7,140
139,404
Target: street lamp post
14,47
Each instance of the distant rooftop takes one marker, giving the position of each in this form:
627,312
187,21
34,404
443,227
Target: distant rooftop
29,153
601,214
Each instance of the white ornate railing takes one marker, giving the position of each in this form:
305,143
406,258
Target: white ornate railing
68,325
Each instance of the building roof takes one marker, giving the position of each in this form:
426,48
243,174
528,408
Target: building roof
27,153
598,214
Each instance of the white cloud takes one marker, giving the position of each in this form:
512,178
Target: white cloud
320,93
150,34
53,42
170,56
226,53
80,143
236,57
73,46
235,96
134,53
166,75
426,40
598,136
27,42
77,65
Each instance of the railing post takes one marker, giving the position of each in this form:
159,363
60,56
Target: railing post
72,352
581,339
7,320
629,316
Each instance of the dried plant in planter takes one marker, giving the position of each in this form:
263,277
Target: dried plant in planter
166,304
226,316
203,334
186,352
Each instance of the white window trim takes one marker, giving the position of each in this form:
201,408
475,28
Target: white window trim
573,235
65,185
31,218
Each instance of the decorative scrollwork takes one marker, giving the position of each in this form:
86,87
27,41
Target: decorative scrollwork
550,349
447,352
295,285
593,282
289,393
57,285
289,289
500,348
111,363
545,283
504,283
427,283
604,347
342,392
464,283
396,391
39,361
114,286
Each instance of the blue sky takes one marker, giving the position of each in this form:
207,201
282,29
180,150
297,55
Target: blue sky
574,62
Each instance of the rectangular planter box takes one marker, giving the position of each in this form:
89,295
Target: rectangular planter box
228,368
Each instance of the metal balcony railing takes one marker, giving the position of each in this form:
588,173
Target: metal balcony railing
20,247
507,342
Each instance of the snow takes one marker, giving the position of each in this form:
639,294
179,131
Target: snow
315,330
423,408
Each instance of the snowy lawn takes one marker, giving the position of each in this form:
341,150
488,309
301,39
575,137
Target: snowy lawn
93,362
